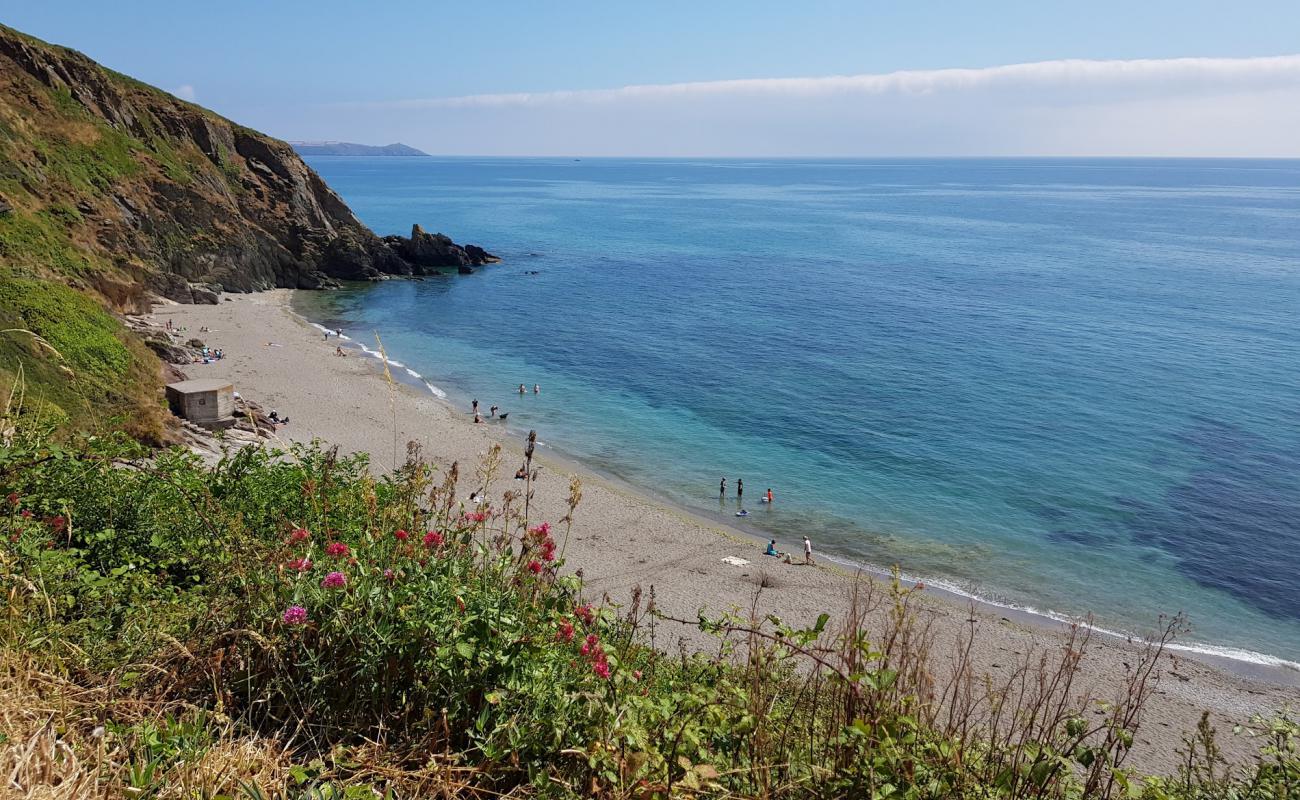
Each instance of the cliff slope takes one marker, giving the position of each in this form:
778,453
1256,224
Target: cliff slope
122,183
112,191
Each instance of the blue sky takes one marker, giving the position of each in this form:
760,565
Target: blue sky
340,70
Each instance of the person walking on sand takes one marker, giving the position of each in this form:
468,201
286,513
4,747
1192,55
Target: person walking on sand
740,488
722,488
807,551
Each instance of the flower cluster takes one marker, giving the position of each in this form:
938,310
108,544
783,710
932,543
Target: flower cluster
401,535
299,535
585,613
334,580
299,564
476,516
541,534
595,654
336,550
295,615
564,633
433,539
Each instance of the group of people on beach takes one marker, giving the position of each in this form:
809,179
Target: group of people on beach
775,553
769,498
210,355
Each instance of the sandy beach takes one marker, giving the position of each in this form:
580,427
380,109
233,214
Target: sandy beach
622,539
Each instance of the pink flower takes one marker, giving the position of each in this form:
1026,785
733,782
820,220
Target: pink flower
585,613
477,516
389,575
601,668
548,549
636,673
299,564
299,535
334,580
294,615
535,566
336,549
565,632
57,522
27,514
401,535
13,498
433,539
541,531
585,649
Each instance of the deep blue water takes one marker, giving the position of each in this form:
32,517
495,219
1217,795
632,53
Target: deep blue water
1066,385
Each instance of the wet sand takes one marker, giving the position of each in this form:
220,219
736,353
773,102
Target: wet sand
622,539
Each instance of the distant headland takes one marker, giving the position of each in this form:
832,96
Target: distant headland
351,149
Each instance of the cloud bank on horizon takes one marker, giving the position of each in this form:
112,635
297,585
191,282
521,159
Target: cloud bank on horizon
1173,107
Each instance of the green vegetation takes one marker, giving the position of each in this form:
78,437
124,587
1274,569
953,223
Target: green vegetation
72,363
286,625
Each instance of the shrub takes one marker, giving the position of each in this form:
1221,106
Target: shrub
318,631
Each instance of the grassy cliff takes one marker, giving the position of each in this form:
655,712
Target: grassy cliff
113,191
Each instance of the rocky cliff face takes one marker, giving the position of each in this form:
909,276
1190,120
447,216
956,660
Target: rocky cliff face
120,188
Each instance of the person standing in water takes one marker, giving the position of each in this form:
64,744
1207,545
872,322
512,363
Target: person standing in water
722,488
740,488
475,405
769,495
537,388
521,388
807,551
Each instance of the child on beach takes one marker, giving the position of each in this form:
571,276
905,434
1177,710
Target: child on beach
771,549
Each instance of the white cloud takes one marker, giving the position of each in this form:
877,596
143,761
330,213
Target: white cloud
185,92
1157,74
1182,106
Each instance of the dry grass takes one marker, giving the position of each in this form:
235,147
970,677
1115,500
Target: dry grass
56,745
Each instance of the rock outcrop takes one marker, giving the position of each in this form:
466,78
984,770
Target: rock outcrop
134,187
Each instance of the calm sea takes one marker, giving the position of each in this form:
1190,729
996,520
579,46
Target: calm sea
1064,385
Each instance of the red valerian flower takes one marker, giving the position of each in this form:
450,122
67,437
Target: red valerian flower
401,535
433,539
299,535
13,498
535,566
334,580
299,564
565,631
336,549
389,575
294,615
548,549
585,613
601,668
541,531
26,514
477,516
57,522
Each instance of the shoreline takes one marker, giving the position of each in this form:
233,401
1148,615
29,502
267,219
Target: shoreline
661,544
1246,663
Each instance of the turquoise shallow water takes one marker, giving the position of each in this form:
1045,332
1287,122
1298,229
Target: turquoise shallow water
1069,386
